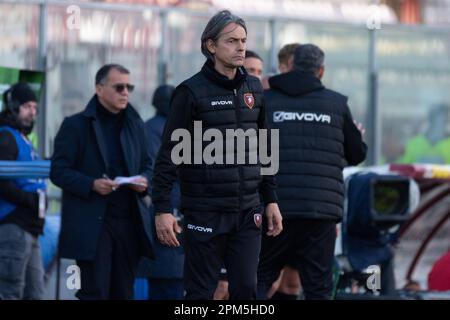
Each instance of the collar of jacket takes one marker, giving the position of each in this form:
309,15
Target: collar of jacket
91,110
295,83
212,74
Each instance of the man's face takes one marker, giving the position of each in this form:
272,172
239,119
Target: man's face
254,67
229,49
27,114
113,94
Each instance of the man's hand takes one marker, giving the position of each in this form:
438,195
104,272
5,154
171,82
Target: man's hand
141,184
360,128
104,186
274,220
166,227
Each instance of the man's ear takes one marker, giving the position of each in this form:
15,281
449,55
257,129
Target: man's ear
98,90
290,64
211,46
321,72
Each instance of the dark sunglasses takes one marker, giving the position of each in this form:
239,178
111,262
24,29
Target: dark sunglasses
119,87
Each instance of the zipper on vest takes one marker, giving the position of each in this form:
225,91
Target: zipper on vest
238,124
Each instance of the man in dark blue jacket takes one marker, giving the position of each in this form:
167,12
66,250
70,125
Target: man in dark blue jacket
105,226
21,218
165,272
317,139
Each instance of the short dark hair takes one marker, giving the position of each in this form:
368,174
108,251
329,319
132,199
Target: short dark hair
286,52
308,58
102,73
252,54
215,26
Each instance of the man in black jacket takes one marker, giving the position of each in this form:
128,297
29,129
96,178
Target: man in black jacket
165,272
317,139
105,226
220,202
21,217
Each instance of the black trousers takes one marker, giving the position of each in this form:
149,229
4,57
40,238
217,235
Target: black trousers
308,246
112,272
214,240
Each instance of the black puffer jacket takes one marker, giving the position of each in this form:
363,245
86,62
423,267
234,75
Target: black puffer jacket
220,104
317,139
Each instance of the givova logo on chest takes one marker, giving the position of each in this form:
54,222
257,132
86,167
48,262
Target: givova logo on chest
221,103
280,116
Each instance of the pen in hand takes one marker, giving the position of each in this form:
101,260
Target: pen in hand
105,176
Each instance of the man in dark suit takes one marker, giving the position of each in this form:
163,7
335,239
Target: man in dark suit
105,226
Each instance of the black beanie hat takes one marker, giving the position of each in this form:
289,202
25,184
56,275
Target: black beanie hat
161,99
20,93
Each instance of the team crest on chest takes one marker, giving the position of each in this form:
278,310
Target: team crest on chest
249,100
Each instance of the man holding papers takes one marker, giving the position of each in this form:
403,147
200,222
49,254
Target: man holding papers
102,165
